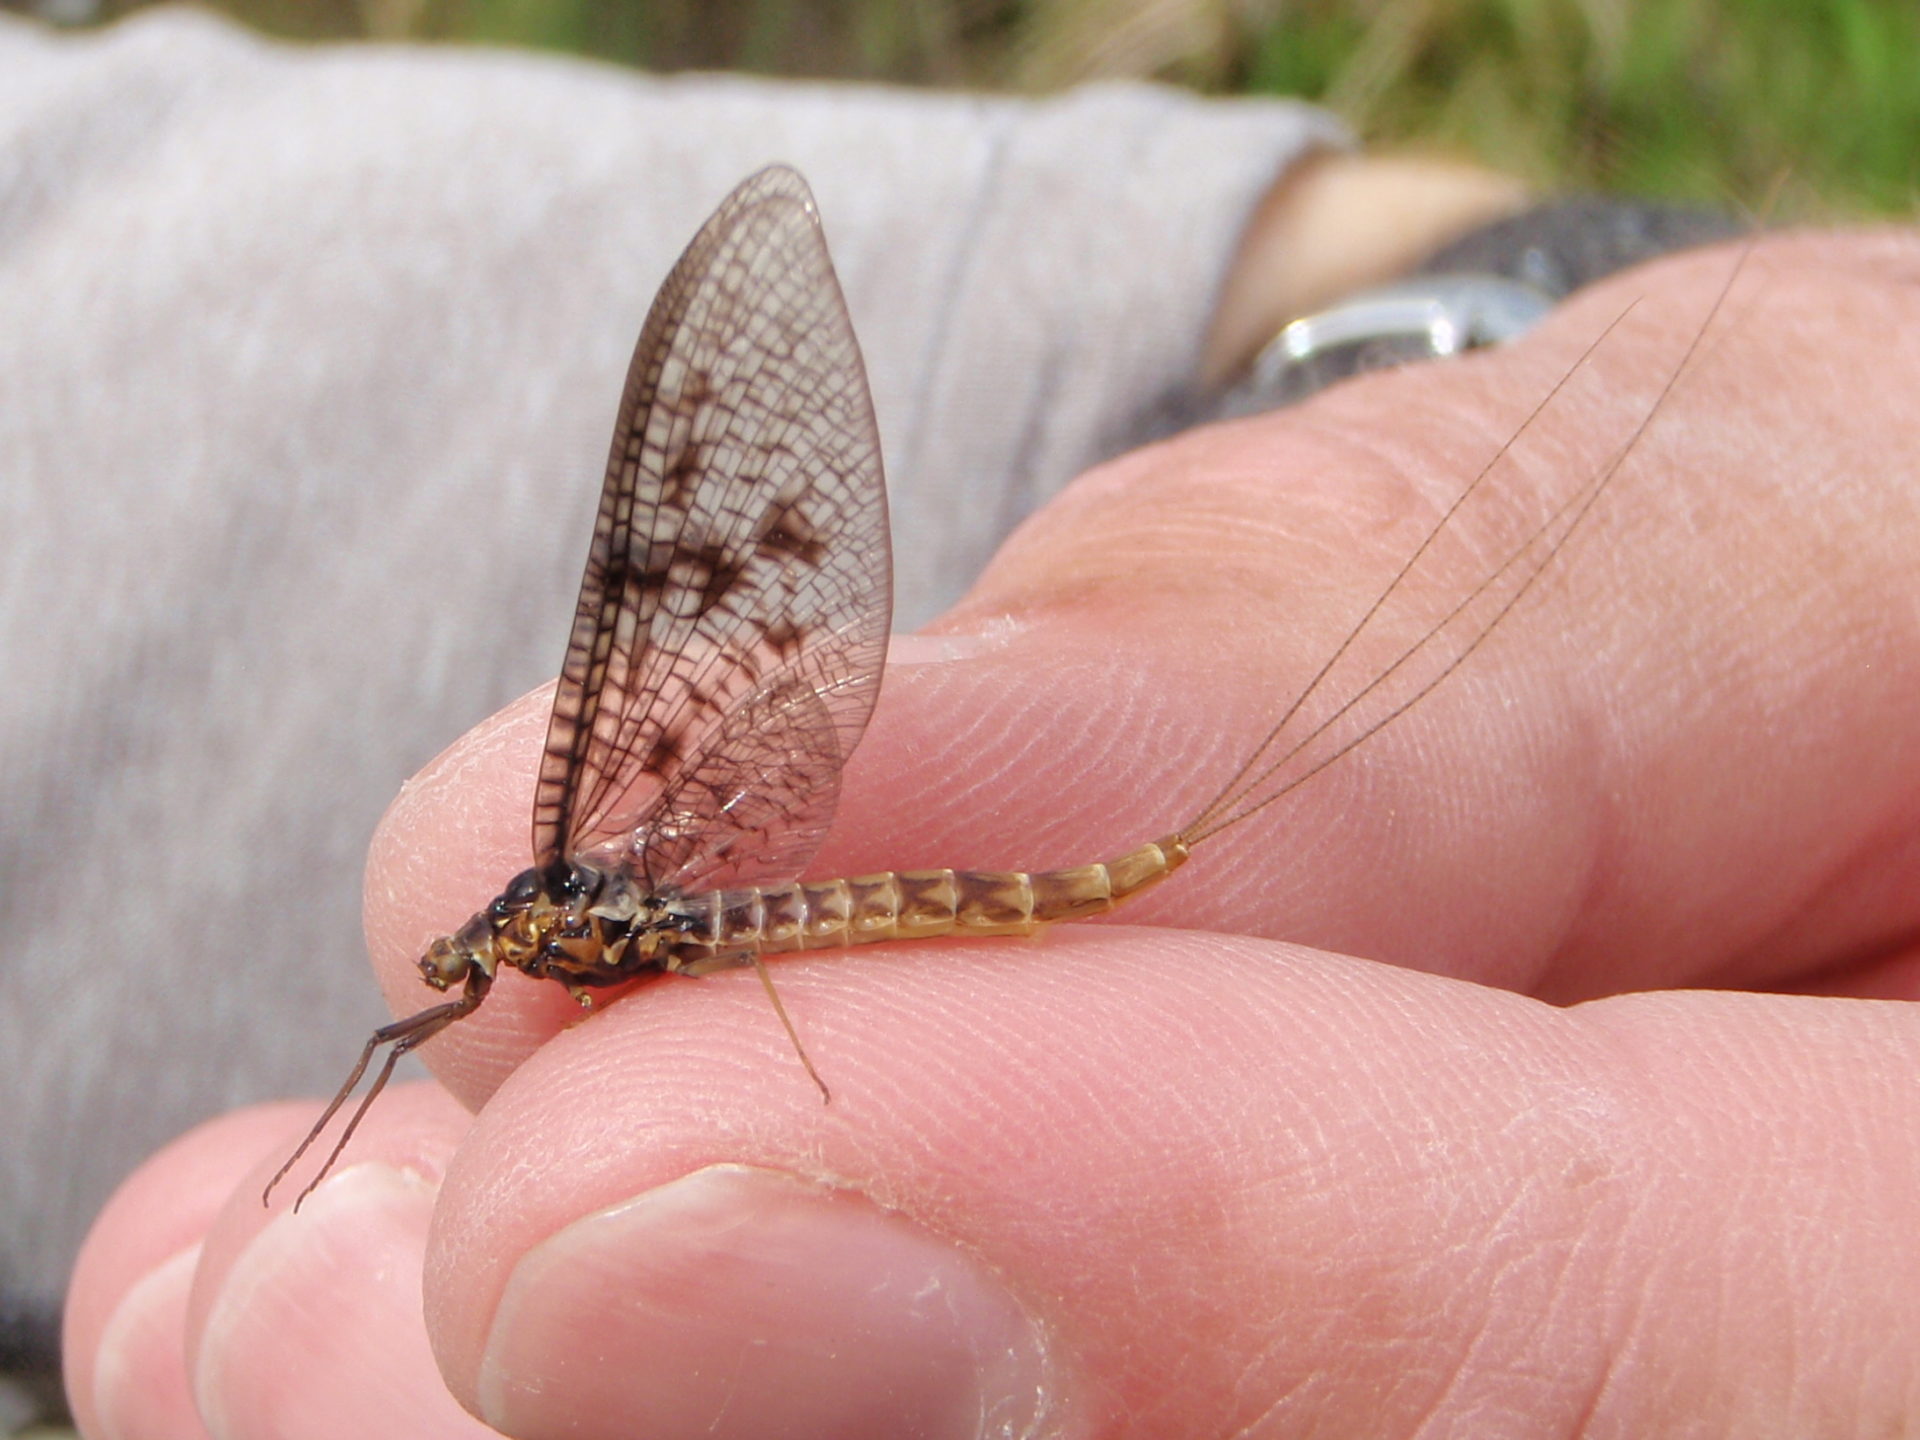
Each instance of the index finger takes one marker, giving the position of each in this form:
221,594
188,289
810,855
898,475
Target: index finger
1696,732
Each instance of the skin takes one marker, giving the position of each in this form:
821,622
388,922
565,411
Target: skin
1530,1073
1338,222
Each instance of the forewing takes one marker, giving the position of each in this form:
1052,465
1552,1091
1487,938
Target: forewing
753,803
740,553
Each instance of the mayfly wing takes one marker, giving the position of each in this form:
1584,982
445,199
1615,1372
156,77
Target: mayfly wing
756,800
739,568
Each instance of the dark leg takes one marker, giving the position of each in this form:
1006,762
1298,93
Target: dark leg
402,1035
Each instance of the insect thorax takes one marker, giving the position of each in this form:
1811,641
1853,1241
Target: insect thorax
578,924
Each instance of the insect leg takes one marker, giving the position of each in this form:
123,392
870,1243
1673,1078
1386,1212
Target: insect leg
766,982
402,1035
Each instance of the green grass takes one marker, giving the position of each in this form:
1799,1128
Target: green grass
1697,99
1683,99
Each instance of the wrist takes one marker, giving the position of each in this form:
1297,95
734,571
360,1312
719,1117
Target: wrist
1336,224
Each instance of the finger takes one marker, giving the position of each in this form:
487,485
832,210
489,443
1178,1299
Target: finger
1699,730
336,1284
124,1335
1137,1182
1689,758
197,1311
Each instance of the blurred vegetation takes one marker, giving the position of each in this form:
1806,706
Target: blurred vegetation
1682,99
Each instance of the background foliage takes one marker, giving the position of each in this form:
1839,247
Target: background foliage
1684,99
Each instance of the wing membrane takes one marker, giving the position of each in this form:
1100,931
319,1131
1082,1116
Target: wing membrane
753,803
736,599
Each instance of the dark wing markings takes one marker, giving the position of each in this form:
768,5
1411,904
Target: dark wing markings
731,626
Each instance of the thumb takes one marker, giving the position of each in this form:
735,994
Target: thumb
1173,1184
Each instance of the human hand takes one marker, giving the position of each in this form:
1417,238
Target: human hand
1183,1176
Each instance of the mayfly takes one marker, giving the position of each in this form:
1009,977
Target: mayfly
726,653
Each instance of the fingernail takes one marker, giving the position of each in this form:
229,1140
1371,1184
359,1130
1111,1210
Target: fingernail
745,1302
140,1376
318,1330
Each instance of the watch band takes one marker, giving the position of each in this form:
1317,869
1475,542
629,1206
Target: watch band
1485,288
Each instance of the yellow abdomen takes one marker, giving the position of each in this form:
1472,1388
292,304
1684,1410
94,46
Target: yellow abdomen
731,926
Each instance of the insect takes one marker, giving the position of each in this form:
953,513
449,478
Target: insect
726,653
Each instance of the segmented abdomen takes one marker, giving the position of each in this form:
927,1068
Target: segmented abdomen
729,926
